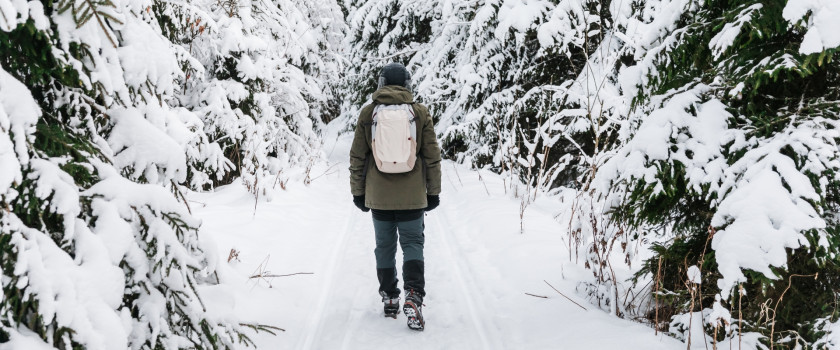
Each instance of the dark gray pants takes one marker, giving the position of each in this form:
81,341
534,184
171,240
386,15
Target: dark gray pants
411,239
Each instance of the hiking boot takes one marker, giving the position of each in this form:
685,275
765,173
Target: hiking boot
413,309
391,304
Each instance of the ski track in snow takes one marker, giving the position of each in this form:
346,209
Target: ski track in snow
338,318
317,319
478,267
466,286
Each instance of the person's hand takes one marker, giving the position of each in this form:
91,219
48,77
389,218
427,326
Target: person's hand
433,200
359,201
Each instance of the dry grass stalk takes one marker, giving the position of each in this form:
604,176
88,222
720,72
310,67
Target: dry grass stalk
776,307
261,273
522,206
690,286
564,295
285,275
740,315
482,181
234,254
180,194
657,281
327,172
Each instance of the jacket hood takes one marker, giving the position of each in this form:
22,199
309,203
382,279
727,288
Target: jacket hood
393,95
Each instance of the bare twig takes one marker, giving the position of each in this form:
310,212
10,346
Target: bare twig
175,187
690,285
6,19
286,275
790,282
482,181
406,51
740,316
656,296
538,296
256,194
564,295
326,172
277,179
202,203
101,23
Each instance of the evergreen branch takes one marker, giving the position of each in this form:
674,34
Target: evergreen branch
84,14
262,328
101,24
404,52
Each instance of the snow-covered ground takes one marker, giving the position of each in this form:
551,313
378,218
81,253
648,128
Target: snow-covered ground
478,269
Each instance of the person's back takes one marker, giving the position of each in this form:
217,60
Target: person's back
397,193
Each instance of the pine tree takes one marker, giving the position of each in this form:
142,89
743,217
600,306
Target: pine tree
97,249
380,32
665,117
509,83
733,150
262,93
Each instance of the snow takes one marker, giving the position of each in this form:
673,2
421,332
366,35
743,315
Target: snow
78,295
18,115
23,338
159,69
694,275
823,29
144,148
19,112
478,267
165,115
725,38
831,340
15,12
520,15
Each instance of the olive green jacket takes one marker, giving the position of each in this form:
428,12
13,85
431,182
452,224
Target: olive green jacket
395,191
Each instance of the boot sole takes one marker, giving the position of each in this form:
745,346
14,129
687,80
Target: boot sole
392,314
414,316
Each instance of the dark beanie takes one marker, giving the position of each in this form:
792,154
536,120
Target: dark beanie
394,74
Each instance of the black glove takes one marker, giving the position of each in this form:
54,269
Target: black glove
359,201
433,200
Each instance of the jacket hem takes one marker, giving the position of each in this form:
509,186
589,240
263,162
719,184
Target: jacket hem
410,206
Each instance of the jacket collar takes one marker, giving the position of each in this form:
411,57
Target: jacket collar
393,95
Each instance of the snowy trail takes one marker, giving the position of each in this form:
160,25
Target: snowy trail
318,317
467,288
478,267
350,318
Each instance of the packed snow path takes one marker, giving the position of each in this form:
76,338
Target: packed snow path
478,269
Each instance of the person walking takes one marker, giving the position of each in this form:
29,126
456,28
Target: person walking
395,173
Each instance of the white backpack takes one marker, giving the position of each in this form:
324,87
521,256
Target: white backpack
394,138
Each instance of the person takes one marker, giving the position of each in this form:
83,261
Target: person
397,200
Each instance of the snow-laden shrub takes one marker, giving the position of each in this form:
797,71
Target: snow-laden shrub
524,87
733,148
258,81
380,32
534,89
707,127
106,116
